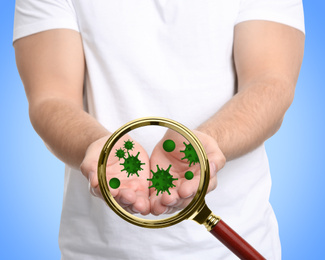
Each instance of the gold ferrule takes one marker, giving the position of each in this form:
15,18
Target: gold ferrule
211,221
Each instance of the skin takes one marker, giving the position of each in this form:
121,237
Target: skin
183,193
268,58
133,193
51,64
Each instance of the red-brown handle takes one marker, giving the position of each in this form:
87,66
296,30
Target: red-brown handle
234,242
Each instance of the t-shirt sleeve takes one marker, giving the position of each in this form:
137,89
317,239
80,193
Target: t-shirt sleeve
289,12
33,16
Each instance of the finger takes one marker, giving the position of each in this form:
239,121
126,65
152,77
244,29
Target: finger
168,204
125,197
213,169
212,184
182,203
169,200
156,208
211,146
189,187
129,209
216,161
142,204
171,210
89,168
96,192
93,185
114,192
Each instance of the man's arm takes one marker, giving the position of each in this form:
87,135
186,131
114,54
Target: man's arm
51,65
267,57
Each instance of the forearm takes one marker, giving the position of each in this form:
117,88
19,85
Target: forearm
250,117
267,57
65,128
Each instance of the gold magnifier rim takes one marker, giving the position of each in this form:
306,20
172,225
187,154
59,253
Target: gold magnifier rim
191,210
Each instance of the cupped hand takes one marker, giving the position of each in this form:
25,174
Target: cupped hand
175,163
133,192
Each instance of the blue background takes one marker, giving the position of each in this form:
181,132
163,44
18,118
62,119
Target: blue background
31,186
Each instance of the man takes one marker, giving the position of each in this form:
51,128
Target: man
227,70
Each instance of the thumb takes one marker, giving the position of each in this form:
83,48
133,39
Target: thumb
89,169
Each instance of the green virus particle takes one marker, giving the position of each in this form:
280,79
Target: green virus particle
169,145
120,153
189,175
128,145
162,180
190,154
114,183
132,164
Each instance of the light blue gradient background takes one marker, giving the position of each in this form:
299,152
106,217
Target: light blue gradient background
32,179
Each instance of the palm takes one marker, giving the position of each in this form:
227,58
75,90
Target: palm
132,170
181,195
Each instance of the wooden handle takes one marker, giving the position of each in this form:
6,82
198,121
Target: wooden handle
234,242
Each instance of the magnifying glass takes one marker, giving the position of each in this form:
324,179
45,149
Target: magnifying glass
196,210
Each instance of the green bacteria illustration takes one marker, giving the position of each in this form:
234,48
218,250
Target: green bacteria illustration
162,180
120,153
169,145
132,164
189,175
114,183
128,145
190,154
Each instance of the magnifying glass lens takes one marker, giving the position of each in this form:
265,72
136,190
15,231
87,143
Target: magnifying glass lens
153,172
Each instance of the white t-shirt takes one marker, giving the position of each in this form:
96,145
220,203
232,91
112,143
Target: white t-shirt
171,59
